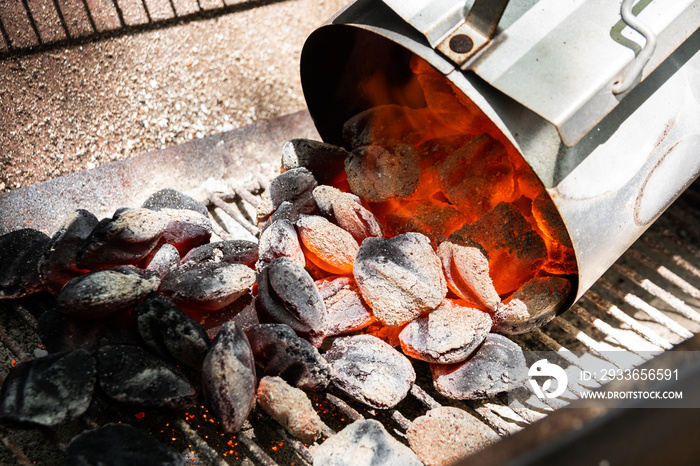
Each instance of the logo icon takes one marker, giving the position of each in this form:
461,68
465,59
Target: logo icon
544,368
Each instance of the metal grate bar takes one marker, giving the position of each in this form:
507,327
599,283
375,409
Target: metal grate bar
670,276
678,260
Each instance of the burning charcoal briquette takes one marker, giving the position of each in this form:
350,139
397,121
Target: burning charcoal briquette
327,245
170,333
207,286
548,219
364,443
478,176
125,238
131,375
185,229
169,198
466,268
20,252
400,278
164,260
119,445
347,312
287,295
370,370
447,335
280,240
532,305
228,377
324,160
497,366
378,174
280,352
446,435
58,264
105,292
286,211
48,390
385,125
295,186
231,252
346,211
291,408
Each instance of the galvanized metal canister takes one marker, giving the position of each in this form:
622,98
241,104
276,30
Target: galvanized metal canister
608,119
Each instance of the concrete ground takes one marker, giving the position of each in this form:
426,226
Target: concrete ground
87,82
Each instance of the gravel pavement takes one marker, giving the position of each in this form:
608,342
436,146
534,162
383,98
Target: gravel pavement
77,107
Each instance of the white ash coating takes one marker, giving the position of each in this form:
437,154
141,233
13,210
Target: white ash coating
279,240
347,312
467,271
335,248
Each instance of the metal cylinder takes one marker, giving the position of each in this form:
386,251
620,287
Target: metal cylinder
609,183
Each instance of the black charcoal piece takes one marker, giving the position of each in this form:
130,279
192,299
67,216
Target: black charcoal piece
324,160
295,186
280,240
364,443
125,238
58,332
20,252
287,295
370,370
291,408
208,285
105,292
58,264
169,198
185,229
400,278
346,211
164,259
119,445
133,376
447,335
347,312
231,252
100,294
378,174
170,333
445,435
228,377
497,366
285,211
278,351
49,390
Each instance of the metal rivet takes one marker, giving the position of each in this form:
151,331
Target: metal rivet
461,43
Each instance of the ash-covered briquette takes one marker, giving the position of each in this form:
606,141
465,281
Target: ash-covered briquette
286,211
378,174
119,445
515,250
103,293
466,268
386,125
235,251
133,376
166,330
278,351
478,176
58,332
20,252
400,278
370,370
163,260
295,186
324,160
287,295
279,240
447,335
364,443
207,286
228,377
347,311
48,391
169,198
532,305
291,408
327,245
185,229
497,366
59,262
346,211
446,435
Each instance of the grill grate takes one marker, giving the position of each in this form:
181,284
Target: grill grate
648,301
